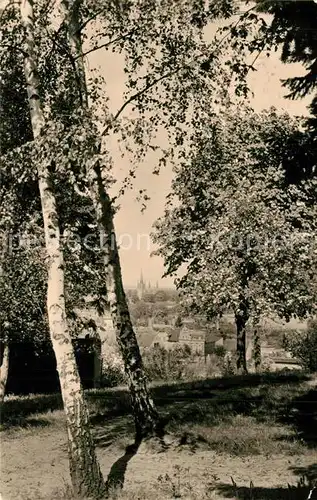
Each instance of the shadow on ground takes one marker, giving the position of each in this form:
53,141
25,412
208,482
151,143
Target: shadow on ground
113,430
268,398
301,413
309,473
184,403
306,484
254,493
115,479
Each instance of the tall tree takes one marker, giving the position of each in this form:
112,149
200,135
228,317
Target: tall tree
85,472
238,225
161,44
146,417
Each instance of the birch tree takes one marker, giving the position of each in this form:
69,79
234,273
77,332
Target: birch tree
85,472
147,421
166,42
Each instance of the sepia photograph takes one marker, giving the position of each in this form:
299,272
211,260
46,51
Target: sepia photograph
158,249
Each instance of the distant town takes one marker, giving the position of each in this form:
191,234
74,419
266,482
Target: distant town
159,320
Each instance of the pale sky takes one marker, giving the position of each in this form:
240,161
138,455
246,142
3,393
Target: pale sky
133,227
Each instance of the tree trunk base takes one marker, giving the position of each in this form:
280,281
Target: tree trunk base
242,371
152,444
168,442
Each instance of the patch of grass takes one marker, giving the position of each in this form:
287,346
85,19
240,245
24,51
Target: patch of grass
16,409
237,415
163,489
242,435
33,422
239,420
177,484
62,493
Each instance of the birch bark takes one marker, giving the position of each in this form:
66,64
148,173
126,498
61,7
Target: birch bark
146,417
85,472
4,371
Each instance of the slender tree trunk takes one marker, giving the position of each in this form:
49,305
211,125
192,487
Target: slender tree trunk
4,370
146,417
97,362
85,472
256,349
145,414
241,318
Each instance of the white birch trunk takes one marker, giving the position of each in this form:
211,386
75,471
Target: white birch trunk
85,472
4,371
146,417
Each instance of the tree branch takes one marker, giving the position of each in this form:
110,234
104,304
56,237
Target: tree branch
68,54
13,47
107,44
166,75
3,8
136,95
84,24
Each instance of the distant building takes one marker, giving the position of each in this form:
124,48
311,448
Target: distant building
141,287
195,339
285,363
145,336
278,359
230,345
170,337
162,335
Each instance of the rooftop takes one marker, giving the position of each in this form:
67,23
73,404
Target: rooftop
162,326
195,334
286,361
145,336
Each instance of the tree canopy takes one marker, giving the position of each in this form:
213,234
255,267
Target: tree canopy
293,28
237,233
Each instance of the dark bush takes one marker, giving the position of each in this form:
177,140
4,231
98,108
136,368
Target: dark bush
163,364
303,346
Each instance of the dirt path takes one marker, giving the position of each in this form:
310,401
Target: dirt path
35,460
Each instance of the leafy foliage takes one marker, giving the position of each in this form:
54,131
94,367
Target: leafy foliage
303,346
163,364
22,296
292,27
238,231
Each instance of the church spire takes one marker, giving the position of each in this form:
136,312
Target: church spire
141,278
141,287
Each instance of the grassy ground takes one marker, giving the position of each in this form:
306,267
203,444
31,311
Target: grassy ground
252,437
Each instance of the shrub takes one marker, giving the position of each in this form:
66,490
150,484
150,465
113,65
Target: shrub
219,351
112,376
113,373
214,366
226,329
303,346
163,364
